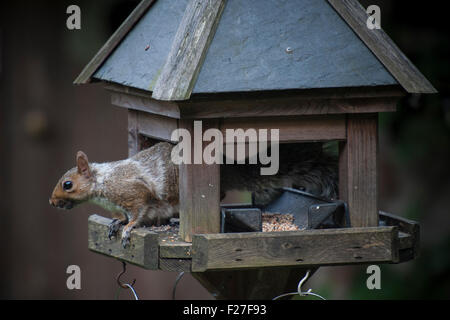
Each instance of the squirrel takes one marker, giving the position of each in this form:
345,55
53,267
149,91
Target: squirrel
143,189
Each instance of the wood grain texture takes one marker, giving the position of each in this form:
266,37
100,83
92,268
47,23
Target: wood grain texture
293,106
180,250
175,265
133,134
149,105
174,248
188,51
143,250
305,94
358,166
383,47
264,104
297,248
199,192
157,127
113,41
293,129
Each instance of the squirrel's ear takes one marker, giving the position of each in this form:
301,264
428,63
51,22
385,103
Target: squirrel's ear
83,164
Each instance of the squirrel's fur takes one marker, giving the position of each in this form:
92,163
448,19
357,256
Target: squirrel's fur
143,189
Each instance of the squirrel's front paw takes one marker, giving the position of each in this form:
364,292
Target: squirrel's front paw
114,227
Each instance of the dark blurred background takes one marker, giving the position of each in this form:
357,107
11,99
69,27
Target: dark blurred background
44,120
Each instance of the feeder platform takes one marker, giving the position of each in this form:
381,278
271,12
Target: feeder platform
396,240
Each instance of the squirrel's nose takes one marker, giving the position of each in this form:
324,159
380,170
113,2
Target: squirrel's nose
52,203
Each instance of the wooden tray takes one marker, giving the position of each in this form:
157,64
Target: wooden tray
395,240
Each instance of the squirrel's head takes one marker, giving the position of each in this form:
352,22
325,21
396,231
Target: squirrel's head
75,186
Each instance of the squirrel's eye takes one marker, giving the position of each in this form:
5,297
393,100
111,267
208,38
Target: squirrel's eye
67,185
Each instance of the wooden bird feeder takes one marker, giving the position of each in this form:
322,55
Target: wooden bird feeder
311,68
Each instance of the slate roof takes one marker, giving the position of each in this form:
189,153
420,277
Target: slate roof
258,46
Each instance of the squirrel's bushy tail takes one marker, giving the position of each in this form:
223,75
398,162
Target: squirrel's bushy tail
304,166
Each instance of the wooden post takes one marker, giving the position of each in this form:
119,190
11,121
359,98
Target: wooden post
358,166
199,192
133,134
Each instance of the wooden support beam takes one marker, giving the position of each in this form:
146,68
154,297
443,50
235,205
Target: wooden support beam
145,104
175,265
171,248
294,129
192,40
265,104
199,191
156,127
133,134
358,166
363,93
297,248
293,105
146,129
383,47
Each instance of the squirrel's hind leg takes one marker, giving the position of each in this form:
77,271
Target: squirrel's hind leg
135,222
126,233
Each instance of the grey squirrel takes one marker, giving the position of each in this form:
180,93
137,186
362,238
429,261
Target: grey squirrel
143,189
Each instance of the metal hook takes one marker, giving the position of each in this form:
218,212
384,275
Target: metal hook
300,284
174,291
126,285
120,283
306,293
299,289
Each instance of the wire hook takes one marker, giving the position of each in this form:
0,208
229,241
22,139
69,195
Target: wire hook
308,292
300,284
174,290
299,289
126,285
119,282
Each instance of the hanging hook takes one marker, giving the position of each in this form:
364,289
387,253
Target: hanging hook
308,292
299,289
120,283
126,285
174,290
300,284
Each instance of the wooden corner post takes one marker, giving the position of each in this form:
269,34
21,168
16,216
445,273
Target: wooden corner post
199,190
358,169
133,134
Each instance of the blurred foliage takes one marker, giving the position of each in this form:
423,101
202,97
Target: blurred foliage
428,278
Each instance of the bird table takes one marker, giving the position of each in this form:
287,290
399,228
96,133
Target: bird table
311,69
